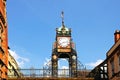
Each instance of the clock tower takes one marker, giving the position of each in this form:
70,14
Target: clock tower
64,48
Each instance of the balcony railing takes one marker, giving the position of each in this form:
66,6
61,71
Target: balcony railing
45,73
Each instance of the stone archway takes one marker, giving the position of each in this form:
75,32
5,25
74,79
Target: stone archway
72,61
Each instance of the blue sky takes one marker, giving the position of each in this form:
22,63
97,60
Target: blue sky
32,24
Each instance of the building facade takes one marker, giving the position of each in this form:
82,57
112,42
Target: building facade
3,40
13,68
113,58
109,69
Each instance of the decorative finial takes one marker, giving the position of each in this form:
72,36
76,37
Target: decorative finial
62,16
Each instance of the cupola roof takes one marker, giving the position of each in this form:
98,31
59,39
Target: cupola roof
63,30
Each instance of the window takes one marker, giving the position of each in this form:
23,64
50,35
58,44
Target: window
119,62
2,18
112,66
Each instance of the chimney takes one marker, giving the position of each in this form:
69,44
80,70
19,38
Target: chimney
117,35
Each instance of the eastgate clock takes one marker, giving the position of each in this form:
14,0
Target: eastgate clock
63,41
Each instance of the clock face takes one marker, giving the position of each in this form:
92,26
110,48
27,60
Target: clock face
63,41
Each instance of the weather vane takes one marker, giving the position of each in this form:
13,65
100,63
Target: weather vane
62,16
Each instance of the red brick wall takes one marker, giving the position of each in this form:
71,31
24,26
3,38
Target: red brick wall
4,39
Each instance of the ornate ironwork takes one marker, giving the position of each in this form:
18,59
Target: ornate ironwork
39,73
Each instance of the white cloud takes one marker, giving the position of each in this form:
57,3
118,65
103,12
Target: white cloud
47,62
20,60
64,67
94,64
63,71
